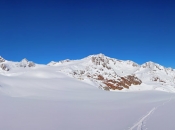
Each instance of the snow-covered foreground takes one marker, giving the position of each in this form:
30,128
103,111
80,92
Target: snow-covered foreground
89,110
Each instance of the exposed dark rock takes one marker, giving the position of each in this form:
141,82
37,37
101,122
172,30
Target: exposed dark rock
4,67
120,83
158,79
1,59
31,64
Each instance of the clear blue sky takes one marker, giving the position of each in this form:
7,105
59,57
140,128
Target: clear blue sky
45,30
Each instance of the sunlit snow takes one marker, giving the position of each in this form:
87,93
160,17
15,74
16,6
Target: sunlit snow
47,97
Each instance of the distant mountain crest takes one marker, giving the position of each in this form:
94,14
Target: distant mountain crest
8,65
107,73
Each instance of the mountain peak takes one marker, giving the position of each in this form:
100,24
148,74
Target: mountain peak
24,60
96,55
152,65
25,63
100,55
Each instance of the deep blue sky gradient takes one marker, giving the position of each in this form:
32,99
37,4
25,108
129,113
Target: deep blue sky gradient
45,30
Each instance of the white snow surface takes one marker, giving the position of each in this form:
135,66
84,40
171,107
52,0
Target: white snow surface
49,97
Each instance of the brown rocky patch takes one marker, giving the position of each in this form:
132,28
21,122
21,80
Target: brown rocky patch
158,79
112,86
100,77
122,82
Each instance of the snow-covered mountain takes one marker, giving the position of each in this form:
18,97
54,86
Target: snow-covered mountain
112,74
7,65
99,71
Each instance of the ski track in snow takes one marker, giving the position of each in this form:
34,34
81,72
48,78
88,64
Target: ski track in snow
139,124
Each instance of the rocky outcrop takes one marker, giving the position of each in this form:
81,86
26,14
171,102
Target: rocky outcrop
4,67
25,63
157,79
31,64
119,83
2,59
10,65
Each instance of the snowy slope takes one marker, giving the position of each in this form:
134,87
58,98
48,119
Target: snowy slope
34,82
65,96
98,70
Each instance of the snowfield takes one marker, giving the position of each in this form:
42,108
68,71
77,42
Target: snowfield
50,97
89,110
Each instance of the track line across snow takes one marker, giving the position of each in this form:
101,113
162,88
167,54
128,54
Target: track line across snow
139,124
